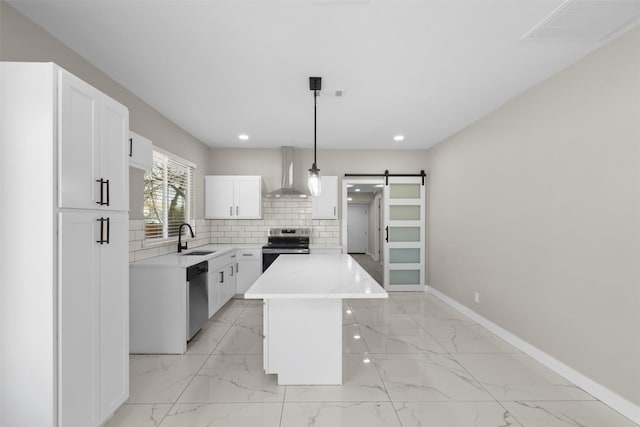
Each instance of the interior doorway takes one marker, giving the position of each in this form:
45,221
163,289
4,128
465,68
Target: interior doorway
362,220
357,229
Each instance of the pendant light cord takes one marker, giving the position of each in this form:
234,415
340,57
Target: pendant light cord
315,108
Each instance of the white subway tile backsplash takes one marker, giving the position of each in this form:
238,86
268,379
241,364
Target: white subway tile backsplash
280,213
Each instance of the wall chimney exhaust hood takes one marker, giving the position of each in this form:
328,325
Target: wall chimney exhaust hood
286,191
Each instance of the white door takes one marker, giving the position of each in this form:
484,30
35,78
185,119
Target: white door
248,197
357,224
218,197
404,217
114,314
78,135
325,206
78,320
114,160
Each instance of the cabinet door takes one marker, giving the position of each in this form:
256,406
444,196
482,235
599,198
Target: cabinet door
230,280
114,160
140,151
78,320
248,197
325,206
114,315
78,134
248,269
219,202
213,287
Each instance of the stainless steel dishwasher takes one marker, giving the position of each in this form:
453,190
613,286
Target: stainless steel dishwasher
198,306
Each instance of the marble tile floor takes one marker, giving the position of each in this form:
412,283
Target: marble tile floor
409,361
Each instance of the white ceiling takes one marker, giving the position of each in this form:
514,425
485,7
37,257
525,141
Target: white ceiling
423,69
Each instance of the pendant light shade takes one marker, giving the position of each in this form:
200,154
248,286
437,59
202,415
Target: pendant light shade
315,84
315,186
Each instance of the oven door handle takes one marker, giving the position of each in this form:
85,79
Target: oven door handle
285,251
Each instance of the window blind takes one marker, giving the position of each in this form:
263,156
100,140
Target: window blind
168,197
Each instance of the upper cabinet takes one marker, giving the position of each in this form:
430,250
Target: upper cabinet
325,206
140,151
93,167
233,197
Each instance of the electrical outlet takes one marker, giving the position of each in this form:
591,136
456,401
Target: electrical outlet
476,297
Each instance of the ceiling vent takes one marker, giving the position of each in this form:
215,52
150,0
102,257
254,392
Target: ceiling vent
586,21
333,93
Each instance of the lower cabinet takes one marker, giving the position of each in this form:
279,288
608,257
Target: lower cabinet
248,268
221,281
93,330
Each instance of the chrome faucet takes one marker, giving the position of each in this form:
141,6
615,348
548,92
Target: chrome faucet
180,245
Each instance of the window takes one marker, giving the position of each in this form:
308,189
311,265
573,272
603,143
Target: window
168,196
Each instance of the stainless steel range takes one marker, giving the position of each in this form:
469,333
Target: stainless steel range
285,241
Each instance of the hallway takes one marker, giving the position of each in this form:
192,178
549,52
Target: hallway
374,268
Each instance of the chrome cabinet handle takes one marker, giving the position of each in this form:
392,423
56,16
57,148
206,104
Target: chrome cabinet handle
334,210
221,277
237,210
130,147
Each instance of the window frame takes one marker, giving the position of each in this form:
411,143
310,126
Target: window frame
189,199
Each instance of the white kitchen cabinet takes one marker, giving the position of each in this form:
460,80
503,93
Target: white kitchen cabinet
94,312
248,268
213,288
68,299
140,150
233,197
93,172
229,281
325,206
221,281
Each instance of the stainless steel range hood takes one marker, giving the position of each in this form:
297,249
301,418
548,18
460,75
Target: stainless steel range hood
286,190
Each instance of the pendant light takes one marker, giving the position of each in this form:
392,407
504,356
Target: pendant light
315,84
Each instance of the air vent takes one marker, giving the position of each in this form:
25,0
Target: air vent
587,21
334,93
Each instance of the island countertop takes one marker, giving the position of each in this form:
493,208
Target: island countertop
315,277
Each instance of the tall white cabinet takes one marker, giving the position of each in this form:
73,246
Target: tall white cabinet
64,312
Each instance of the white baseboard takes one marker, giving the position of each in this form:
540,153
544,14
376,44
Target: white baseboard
600,392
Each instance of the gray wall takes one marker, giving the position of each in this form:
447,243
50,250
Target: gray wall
537,207
267,163
23,40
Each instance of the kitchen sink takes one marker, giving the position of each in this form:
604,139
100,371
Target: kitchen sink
198,253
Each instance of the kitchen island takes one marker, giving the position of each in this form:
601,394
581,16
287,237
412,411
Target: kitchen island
303,314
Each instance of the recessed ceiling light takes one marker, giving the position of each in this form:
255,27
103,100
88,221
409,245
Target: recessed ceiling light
398,138
357,189
349,185
379,185
243,137
349,199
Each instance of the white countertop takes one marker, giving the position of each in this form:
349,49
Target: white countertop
315,276
175,259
